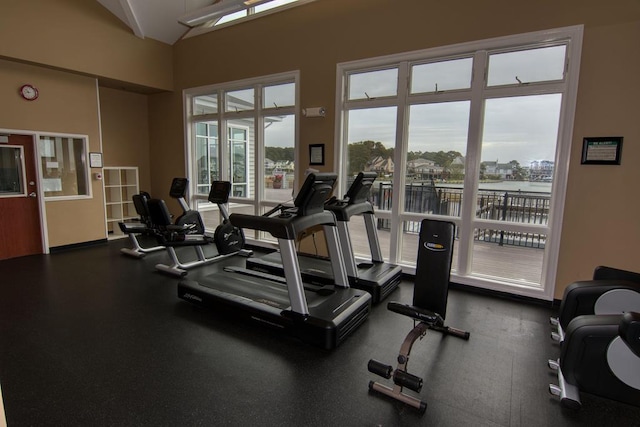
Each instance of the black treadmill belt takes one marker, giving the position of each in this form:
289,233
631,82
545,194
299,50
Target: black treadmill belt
273,294
319,267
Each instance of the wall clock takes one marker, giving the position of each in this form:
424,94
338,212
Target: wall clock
29,92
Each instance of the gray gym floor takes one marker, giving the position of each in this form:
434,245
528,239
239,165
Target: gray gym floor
89,337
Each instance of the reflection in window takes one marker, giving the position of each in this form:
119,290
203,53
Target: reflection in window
64,167
238,145
441,76
527,66
205,104
11,171
373,84
240,100
206,155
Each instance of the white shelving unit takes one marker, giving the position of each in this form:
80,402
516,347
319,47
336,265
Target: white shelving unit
120,184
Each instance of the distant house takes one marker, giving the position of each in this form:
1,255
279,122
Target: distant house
424,169
381,165
269,164
502,170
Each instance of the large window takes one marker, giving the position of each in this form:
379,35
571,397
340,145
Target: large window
64,166
249,141
477,134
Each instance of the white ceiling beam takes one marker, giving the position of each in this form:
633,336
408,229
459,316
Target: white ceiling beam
134,24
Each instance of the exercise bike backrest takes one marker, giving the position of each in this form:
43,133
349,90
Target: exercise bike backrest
140,204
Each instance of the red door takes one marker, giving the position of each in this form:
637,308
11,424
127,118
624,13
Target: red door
20,232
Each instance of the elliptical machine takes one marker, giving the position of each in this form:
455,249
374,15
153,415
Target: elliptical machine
189,229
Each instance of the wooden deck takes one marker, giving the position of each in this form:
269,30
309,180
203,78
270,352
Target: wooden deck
515,264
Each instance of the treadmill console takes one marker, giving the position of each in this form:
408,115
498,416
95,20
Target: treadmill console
315,190
220,192
360,189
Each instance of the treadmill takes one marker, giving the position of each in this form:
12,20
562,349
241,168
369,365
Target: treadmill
376,277
322,315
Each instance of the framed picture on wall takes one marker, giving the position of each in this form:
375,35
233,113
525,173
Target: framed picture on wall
95,160
602,150
316,154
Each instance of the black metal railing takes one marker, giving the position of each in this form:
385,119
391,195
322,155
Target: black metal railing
510,206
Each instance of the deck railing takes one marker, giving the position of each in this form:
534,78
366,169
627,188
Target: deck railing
510,206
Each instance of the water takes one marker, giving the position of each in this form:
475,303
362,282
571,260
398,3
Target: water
542,187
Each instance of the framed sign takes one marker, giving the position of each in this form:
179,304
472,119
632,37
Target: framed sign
95,160
603,150
316,154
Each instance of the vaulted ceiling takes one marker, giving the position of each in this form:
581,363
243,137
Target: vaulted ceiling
155,19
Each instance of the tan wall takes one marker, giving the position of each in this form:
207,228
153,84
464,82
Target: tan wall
167,148
599,224
125,132
68,103
82,36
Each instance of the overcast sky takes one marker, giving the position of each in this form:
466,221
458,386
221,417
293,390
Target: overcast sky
521,128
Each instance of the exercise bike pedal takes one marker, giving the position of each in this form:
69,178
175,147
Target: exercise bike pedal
554,321
553,364
555,390
555,336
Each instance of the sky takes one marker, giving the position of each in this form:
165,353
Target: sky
520,128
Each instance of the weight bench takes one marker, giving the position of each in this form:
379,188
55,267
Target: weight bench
429,307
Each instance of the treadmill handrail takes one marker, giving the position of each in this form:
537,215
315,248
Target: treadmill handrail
286,227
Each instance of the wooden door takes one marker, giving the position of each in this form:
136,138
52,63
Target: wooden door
20,230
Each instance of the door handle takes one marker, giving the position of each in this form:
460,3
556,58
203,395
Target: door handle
33,194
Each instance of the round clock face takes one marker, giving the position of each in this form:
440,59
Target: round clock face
29,92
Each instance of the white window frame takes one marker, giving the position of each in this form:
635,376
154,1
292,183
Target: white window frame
87,169
478,94
223,117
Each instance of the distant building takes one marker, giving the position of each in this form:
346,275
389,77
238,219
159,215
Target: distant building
541,171
269,164
501,170
381,165
456,168
424,169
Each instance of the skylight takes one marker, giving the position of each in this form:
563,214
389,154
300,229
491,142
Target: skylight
253,11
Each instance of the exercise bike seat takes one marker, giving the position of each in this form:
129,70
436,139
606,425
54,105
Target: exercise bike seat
416,313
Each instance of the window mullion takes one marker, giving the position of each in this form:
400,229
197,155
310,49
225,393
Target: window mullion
259,150
400,153
472,162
